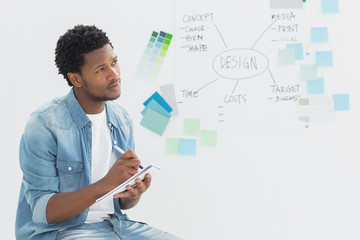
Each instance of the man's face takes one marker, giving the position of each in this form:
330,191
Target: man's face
100,75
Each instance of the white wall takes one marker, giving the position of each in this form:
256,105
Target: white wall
269,196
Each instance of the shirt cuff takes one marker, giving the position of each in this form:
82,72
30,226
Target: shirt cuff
39,212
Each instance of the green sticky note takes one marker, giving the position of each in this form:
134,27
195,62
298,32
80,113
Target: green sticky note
208,138
172,146
192,127
154,121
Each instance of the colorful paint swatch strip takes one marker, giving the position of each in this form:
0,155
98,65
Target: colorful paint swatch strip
154,55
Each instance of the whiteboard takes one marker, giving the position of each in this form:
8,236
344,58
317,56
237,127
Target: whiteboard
273,174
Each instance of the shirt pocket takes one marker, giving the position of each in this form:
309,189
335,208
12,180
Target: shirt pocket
70,175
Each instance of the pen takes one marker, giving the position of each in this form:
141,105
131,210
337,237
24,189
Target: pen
122,152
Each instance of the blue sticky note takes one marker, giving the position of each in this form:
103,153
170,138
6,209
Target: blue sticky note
330,6
324,58
319,34
316,87
154,105
298,47
154,121
308,72
286,57
341,102
187,146
156,96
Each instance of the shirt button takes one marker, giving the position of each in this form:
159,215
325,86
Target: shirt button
115,142
69,168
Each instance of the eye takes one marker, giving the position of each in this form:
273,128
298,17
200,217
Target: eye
114,62
100,70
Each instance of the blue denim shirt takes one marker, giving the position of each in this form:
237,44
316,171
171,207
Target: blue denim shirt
55,156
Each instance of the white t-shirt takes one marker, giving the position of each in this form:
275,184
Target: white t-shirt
103,157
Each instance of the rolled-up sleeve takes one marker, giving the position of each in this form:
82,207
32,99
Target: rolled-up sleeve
37,156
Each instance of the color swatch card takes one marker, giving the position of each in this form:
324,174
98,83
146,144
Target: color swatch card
154,55
156,114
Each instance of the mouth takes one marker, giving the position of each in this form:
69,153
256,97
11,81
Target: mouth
115,84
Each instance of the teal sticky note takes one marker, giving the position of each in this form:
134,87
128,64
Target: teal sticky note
341,102
330,6
308,72
154,105
319,34
208,138
154,121
298,47
172,146
286,57
316,87
324,58
187,146
192,127
158,98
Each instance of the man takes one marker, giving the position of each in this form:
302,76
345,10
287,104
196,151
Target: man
67,154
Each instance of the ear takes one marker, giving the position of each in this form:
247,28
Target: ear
75,79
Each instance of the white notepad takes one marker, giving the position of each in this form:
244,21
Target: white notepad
131,181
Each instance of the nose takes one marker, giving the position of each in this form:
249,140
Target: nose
114,73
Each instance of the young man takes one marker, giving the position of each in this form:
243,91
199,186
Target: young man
67,154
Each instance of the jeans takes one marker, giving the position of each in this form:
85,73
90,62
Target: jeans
113,228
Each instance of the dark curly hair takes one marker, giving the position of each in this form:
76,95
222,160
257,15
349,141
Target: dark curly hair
71,47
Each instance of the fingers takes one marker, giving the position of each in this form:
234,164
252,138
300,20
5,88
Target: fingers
136,190
129,154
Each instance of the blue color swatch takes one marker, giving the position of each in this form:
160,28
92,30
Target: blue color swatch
187,146
156,114
341,102
316,87
330,6
324,58
298,47
319,34
158,98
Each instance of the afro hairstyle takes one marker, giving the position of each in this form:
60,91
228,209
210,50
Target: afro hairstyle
71,47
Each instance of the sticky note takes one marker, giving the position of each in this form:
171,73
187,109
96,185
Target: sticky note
154,121
308,72
172,146
316,87
187,146
286,57
168,93
330,6
319,34
298,47
324,58
286,3
154,105
156,96
304,101
208,138
341,102
191,127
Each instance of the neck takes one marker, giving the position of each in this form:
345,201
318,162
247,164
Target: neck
89,105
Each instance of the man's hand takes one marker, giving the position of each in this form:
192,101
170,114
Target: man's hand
125,167
134,192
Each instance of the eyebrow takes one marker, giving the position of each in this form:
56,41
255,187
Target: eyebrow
102,65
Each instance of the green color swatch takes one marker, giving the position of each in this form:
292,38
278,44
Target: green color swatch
208,138
172,146
154,121
192,127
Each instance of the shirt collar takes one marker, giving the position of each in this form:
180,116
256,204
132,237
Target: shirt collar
76,110
79,115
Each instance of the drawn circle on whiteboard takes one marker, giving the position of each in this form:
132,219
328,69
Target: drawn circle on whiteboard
240,63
